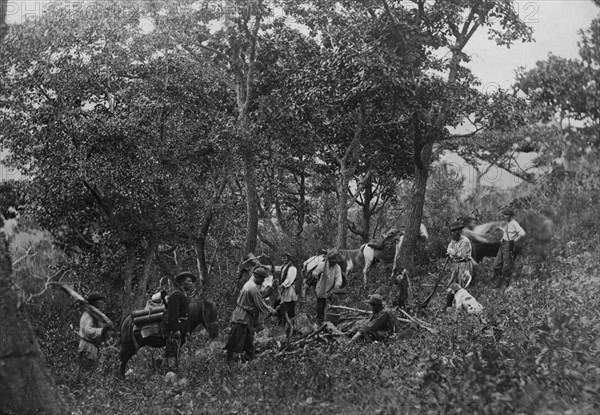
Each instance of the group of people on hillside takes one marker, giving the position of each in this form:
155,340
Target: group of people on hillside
251,302
459,252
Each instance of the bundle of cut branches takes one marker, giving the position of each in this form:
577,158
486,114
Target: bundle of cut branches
347,323
327,333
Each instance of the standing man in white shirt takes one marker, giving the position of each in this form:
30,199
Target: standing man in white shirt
504,260
329,281
287,285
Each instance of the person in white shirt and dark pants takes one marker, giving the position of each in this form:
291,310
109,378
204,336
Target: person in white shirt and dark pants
504,260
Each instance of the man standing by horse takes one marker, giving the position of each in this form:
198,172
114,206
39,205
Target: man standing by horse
329,281
178,308
287,286
92,332
513,232
250,304
459,255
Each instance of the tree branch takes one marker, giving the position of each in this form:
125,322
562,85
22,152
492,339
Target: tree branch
98,198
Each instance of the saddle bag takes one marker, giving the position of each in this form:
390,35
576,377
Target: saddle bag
149,321
148,311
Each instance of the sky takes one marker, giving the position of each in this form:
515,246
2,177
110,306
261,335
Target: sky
556,24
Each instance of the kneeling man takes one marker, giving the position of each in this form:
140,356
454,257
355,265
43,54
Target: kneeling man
382,323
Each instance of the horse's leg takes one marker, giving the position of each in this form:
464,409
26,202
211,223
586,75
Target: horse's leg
366,270
127,352
368,255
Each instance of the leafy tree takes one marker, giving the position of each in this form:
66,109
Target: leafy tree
497,147
353,91
567,89
434,102
115,130
565,95
227,43
556,87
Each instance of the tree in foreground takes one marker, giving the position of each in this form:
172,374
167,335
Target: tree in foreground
25,380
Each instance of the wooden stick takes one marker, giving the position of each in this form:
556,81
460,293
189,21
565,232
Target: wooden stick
421,322
357,310
83,302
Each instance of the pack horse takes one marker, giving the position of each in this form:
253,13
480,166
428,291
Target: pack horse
134,333
386,250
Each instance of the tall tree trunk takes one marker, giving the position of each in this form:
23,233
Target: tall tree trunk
347,167
25,381
415,207
367,212
425,133
3,25
342,216
201,249
141,293
301,207
251,204
127,277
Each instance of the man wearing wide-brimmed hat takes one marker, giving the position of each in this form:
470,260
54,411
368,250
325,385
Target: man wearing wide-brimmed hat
250,304
328,283
382,323
287,285
459,253
92,332
178,308
513,232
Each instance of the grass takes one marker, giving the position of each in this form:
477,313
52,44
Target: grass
536,353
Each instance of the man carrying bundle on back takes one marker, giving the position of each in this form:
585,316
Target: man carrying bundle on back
92,333
178,308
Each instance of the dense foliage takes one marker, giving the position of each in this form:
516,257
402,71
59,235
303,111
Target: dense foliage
160,136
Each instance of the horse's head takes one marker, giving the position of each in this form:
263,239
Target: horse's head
205,312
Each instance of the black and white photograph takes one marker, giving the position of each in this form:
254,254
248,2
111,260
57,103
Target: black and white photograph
300,207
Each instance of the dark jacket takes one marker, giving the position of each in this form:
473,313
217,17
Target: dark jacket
178,308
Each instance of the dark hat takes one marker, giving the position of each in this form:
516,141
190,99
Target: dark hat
375,299
287,255
183,275
94,296
508,212
456,225
260,272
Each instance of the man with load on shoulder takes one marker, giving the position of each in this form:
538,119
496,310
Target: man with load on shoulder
92,333
513,232
178,308
250,303
327,284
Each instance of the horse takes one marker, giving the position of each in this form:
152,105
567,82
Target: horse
311,269
485,238
201,312
365,257
373,253
245,272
